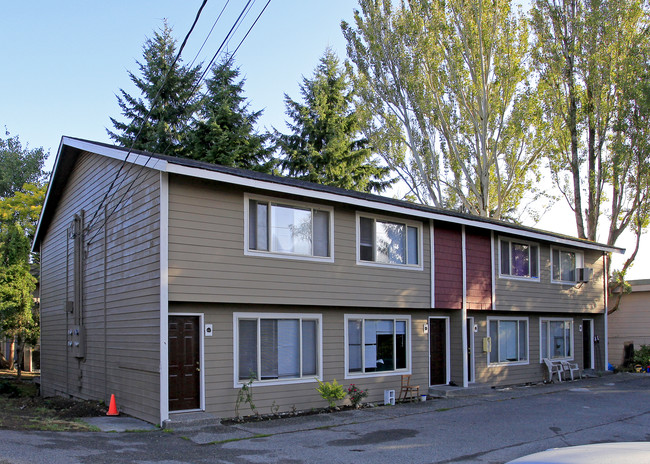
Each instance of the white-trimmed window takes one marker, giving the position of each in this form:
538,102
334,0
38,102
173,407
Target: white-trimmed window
277,348
556,338
288,229
377,345
388,242
509,340
518,259
564,264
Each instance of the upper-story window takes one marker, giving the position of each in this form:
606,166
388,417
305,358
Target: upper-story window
519,259
288,229
564,264
388,242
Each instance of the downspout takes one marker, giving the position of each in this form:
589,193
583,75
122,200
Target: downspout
464,310
606,300
164,298
433,267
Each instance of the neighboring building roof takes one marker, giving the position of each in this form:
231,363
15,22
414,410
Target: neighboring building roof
71,148
641,285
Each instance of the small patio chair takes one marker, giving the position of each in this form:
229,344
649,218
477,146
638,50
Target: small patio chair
553,368
407,390
570,368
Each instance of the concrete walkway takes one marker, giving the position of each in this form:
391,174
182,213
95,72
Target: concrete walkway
456,397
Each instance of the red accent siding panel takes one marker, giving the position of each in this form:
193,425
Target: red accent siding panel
448,258
479,268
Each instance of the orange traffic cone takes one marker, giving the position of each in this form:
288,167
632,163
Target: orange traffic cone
112,408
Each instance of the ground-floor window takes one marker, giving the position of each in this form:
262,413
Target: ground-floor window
377,344
509,340
556,338
277,347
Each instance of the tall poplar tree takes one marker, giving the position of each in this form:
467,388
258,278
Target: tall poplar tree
593,57
446,83
326,145
168,97
223,131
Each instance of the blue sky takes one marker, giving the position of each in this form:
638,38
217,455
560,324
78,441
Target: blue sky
64,62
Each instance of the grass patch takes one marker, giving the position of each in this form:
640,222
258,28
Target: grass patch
23,409
443,409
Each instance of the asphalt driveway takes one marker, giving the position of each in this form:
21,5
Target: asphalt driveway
494,427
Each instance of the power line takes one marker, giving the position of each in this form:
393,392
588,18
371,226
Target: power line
153,105
196,87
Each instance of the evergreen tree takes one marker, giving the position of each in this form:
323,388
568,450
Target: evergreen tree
167,92
325,146
223,131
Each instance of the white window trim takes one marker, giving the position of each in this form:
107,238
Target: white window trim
300,316
297,204
514,363
524,242
416,224
572,342
580,260
394,317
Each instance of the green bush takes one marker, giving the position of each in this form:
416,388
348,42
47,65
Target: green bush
331,392
642,356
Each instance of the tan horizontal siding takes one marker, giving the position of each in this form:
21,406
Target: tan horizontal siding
121,295
629,324
545,296
207,260
219,376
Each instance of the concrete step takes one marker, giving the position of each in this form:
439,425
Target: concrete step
449,391
190,420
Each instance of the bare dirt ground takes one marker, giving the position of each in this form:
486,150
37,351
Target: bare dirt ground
21,407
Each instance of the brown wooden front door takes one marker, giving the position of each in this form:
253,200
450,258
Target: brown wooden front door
438,351
184,363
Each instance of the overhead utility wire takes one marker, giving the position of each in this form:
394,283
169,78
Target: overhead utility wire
209,33
251,28
144,121
232,29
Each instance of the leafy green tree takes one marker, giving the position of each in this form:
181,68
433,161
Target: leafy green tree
446,84
169,98
591,55
325,145
19,165
17,320
18,219
224,129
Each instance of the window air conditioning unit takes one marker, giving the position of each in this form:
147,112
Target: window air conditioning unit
584,274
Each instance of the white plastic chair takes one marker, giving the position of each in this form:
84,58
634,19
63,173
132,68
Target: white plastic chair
553,368
571,368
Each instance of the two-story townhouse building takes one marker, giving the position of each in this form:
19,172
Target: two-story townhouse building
170,283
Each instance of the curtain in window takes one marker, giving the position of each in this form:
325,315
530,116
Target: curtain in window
309,348
508,341
288,348
247,348
354,345
321,233
413,255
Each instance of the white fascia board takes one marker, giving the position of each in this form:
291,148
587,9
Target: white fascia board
377,205
117,154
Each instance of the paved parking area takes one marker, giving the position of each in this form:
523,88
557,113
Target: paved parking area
494,427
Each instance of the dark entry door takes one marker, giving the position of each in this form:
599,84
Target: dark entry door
438,351
184,363
587,344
